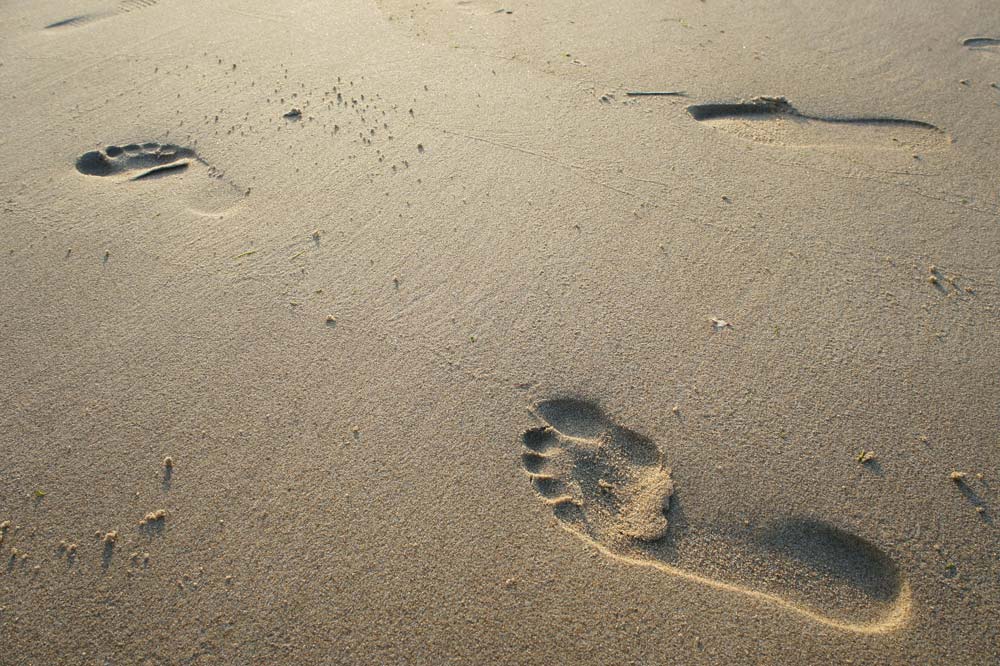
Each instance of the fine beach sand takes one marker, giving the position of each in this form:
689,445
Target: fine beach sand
384,332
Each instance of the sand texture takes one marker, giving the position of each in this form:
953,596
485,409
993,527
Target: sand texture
570,332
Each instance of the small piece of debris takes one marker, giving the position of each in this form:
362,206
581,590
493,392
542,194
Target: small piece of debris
866,456
111,537
719,324
957,477
168,462
153,516
294,114
655,93
330,319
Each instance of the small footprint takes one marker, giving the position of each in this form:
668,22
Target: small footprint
610,487
123,7
150,160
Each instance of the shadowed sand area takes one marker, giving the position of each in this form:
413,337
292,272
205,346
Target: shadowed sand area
391,332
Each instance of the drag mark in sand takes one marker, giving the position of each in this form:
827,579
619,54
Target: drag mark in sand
774,120
609,486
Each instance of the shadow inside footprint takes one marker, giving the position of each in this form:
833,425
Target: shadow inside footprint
73,21
609,486
575,418
123,7
836,555
981,42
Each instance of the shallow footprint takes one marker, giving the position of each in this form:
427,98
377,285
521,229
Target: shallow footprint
609,486
123,7
207,193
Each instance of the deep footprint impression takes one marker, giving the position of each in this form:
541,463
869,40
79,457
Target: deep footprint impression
205,191
149,159
610,487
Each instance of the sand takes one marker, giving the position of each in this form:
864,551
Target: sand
460,353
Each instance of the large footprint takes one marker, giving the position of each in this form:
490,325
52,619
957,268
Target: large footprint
207,191
773,120
610,487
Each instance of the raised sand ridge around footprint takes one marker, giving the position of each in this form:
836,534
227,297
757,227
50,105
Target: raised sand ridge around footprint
610,486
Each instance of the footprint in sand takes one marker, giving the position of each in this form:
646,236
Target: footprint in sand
773,120
123,7
208,192
610,487
137,161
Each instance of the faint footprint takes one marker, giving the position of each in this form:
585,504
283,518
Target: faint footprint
774,120
123,7
151,160
609,486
